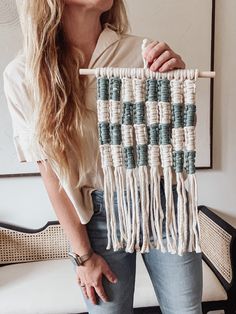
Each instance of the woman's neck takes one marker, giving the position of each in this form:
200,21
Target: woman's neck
82,28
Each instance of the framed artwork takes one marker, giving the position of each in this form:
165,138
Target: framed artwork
171,21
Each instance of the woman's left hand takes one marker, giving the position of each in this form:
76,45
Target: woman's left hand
160,57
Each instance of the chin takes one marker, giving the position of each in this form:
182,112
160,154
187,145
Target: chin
104,5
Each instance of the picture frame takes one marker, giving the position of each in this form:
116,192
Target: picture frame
10,34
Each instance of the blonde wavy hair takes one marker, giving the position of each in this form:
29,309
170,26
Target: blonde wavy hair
56,89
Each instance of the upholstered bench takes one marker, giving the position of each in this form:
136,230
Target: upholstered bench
37,277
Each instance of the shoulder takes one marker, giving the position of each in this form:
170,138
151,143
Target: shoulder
14,83
15,87
14,73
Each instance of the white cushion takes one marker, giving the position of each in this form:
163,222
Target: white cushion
212,288
50,287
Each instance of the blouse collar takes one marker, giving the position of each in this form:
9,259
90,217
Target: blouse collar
106,38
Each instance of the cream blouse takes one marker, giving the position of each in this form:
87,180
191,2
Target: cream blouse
112,50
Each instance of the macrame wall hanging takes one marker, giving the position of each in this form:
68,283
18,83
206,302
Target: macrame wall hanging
146,123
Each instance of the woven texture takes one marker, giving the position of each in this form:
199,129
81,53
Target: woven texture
146,126
16,246
215,244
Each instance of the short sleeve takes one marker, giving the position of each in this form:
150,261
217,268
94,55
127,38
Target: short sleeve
20,110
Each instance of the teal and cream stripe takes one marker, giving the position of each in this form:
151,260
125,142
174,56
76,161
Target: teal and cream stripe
103,111
127,128
164,104
178,160
190,155
141,137
117,151
152,114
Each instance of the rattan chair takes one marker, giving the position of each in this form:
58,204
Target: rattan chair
218,239
23,245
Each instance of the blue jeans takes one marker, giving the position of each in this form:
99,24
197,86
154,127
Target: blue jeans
177,280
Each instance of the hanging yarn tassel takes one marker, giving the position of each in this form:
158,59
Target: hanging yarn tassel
190,155
132,204
105,150
117,153
166,161
156,212
142,158
178,161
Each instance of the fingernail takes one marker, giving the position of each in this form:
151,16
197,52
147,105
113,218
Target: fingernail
114,280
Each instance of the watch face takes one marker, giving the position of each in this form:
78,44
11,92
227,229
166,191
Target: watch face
73,258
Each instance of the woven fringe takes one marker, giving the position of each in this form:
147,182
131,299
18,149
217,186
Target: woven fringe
181,214
133,219
144,201
119,181
170,212
110,212
156,212
194,243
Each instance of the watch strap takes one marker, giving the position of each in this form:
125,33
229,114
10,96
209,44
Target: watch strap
84,257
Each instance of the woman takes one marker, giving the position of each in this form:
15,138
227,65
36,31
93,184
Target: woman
53,112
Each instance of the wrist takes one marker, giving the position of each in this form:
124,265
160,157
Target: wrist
79,260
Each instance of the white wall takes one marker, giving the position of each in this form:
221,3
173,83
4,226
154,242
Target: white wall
217,187
24,200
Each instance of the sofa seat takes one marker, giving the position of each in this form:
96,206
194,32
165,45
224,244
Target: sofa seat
50,287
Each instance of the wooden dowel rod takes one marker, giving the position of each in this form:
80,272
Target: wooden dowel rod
202,74
207,74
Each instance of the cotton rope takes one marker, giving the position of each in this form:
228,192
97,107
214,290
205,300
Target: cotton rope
146,122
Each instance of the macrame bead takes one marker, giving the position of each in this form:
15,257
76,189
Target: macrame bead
115,131
153,134
189,115
151,90
103,88
104,134
139,113
164,90
142,155
129,157
190,161
115,88
127,117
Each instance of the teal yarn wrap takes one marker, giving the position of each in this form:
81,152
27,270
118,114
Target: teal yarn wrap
103,126
164,90
164,96
142,149
190,121
152,96
127,116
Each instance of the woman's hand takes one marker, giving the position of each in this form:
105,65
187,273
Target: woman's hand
160,57
90,276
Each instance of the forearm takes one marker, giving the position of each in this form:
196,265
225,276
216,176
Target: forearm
75,231
70,222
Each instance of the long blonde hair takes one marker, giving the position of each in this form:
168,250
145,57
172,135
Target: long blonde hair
52,67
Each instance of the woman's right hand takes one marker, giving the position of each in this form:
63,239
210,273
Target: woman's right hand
90,274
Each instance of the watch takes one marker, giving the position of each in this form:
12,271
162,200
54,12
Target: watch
79,260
